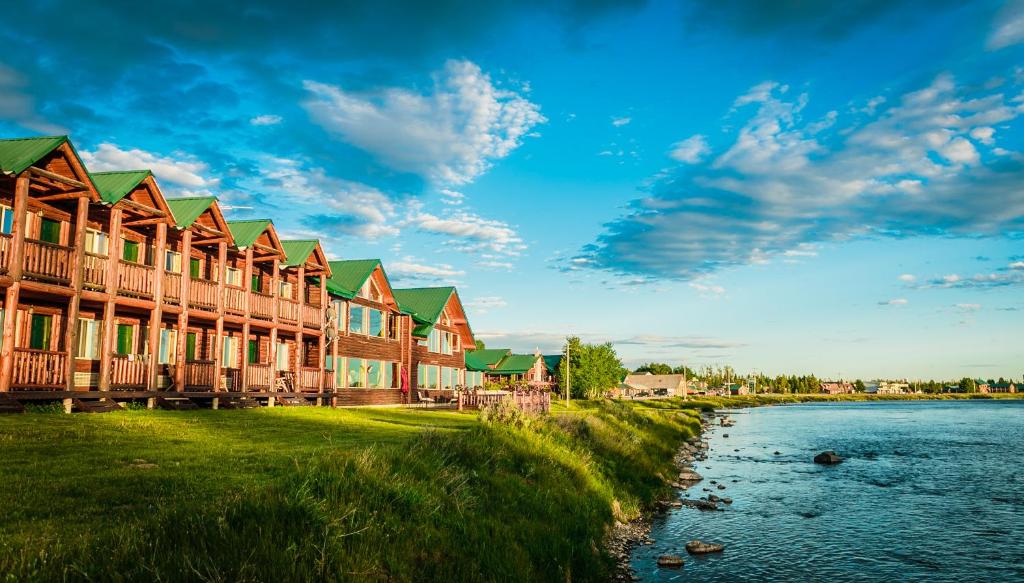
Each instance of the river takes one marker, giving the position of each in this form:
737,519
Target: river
928,491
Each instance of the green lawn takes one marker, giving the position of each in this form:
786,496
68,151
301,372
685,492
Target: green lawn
301,493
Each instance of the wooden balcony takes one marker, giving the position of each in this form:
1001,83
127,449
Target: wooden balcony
234,299
5,252
201,374
288,310
47,261
172,287
39,369
202,294
94,267
261,306
129,371
312,316
309,379
135,279
260,377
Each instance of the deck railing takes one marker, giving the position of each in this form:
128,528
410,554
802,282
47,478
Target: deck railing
5,252
202,294
312,316
172,287
47,261
288,310
260,377
530,401
129,371
201,374
261,306
39,369
309,378
94,267
234,299
135,279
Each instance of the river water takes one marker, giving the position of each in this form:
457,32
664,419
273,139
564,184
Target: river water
928,491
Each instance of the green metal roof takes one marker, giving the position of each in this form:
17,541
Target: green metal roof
482,359
424,304
297,252
19,153
113,186
348,276
245,233
515,364
187,210
552,361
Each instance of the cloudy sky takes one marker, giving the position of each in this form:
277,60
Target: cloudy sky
835,188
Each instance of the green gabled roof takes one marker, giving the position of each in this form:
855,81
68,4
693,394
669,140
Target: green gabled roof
297,252
113,186
348,276
482,359
424,304
17,154
187,210
245,233
552,361
515,364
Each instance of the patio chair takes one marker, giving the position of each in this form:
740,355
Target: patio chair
422,398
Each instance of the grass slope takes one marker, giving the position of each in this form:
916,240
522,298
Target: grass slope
319,494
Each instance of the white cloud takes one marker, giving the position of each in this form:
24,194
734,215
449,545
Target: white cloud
968,307
472,232
708,290
983,135
449,136
1008,28
960,151
1017,265
621,121
691,150
411,268
485,304
452,197
894,302
181,169
908,278
265,120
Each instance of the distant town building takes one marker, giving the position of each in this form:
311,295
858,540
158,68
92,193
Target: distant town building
836,387
998,388
736,389
892,388
672,385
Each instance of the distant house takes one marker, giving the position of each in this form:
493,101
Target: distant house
998,388
500,365
982,385
672,385
892,388
736,389
836,387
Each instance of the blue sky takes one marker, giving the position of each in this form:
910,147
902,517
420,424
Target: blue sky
828,188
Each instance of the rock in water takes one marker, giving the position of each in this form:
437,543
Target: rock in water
828,458
674,561
690,476
701,504
696,547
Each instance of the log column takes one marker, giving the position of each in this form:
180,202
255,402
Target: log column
246,331
109,307
156,314
77,271
275,293
218,340
186,278
17,262
322,343
300,347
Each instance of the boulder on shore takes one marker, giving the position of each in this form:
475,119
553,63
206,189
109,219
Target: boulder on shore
670,561
827,458
696,547
689,476
700,504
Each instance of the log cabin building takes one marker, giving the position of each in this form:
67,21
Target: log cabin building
440,332
502,366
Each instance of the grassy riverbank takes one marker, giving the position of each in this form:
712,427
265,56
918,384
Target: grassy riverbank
300,494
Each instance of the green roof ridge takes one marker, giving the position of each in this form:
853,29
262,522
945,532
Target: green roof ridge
115,185
297,251
17,154
245,232
348,275
186,210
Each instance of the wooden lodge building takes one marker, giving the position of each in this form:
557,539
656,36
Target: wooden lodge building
110,291
501,366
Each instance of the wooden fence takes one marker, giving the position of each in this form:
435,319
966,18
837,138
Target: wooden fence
525,400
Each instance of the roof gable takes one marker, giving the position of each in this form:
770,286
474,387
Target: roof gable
246,233
424,304
113,186
516,364
552,361
483,359
297,252
187,210
350,275
17,154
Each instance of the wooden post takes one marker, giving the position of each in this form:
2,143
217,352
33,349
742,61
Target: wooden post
335,349
218,340
77,271
186,277
110,306
156,314
246,331
17,262
274,293
322,343
300,347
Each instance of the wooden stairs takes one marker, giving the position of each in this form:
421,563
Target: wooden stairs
9,405
97,406
238,403
292,401
176,403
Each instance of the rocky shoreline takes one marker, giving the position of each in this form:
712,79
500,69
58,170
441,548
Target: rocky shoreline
626,536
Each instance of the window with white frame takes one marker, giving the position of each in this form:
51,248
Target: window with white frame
356,317
88,339
229,351
376,323
285,290
282,356
172,261
233,276
357,372
6,219
168,346
96,242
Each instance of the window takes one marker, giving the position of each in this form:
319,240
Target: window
421,376
389,375
190,346
88,339
6,219
125,338
229,352
285,290
233,276
434,341
393,327
355,319
339,314
446,347
432,374
356,372
130,251
446,377
282,356
376,319
195,267
96,242
255,283
168,342
172,262
41,332
254,351
374,374
339,371
474,378
49,231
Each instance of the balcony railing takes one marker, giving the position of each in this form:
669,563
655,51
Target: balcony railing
288,310
260,377
129,371
201,374
135,279
5,252
312,316
234,299
202,294
172,287
47,261
261,306
309,379
94,267
39,369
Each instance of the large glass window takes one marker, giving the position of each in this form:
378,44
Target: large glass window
168,346
421,376
340,371
355,319
432,374
49,231
376,323
374,374
356,372
446,377
389,375
96,242
434,341
88,339
446,347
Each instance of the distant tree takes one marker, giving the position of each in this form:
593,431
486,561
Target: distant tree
858,386
689,372
594,369
1002,381
654,368
968,385
480,345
